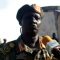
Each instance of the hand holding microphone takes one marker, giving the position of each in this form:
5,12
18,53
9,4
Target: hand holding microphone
52,46
56,51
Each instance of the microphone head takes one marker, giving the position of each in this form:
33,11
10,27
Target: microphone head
46,39
49,43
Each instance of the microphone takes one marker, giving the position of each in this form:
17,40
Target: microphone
49,43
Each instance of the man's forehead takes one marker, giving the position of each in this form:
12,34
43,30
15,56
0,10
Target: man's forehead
32,14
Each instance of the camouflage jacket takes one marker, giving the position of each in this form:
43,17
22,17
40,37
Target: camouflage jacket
19,51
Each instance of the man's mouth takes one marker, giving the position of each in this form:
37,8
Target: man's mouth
34,25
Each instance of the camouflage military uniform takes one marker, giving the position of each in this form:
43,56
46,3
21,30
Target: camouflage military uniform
19,51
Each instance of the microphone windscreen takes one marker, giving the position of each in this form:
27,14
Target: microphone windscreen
46,39
49,43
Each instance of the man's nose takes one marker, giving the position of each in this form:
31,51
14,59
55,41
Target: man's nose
34,21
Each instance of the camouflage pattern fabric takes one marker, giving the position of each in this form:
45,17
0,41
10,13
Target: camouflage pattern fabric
14,51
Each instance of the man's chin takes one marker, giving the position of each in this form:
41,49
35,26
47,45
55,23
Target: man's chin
33,34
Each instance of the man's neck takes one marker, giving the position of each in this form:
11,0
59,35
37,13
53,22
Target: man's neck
30,41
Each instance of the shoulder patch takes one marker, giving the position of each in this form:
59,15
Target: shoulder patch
5,49
12,45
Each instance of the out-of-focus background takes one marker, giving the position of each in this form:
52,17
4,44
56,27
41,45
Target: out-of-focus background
9,27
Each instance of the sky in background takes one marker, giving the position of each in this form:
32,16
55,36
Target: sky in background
9,27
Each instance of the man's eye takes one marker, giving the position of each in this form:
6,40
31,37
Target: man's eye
37,17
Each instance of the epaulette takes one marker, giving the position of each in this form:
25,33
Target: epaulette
6,49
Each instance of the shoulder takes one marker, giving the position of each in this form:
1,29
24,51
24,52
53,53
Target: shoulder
10,44
7,47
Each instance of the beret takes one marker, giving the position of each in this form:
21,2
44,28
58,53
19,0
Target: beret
27,9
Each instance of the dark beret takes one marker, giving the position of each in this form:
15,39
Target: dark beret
27,9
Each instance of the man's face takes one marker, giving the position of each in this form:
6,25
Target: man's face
31,23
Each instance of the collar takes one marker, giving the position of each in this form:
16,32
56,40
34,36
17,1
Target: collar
24,47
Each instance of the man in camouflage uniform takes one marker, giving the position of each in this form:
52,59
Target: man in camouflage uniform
28,46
